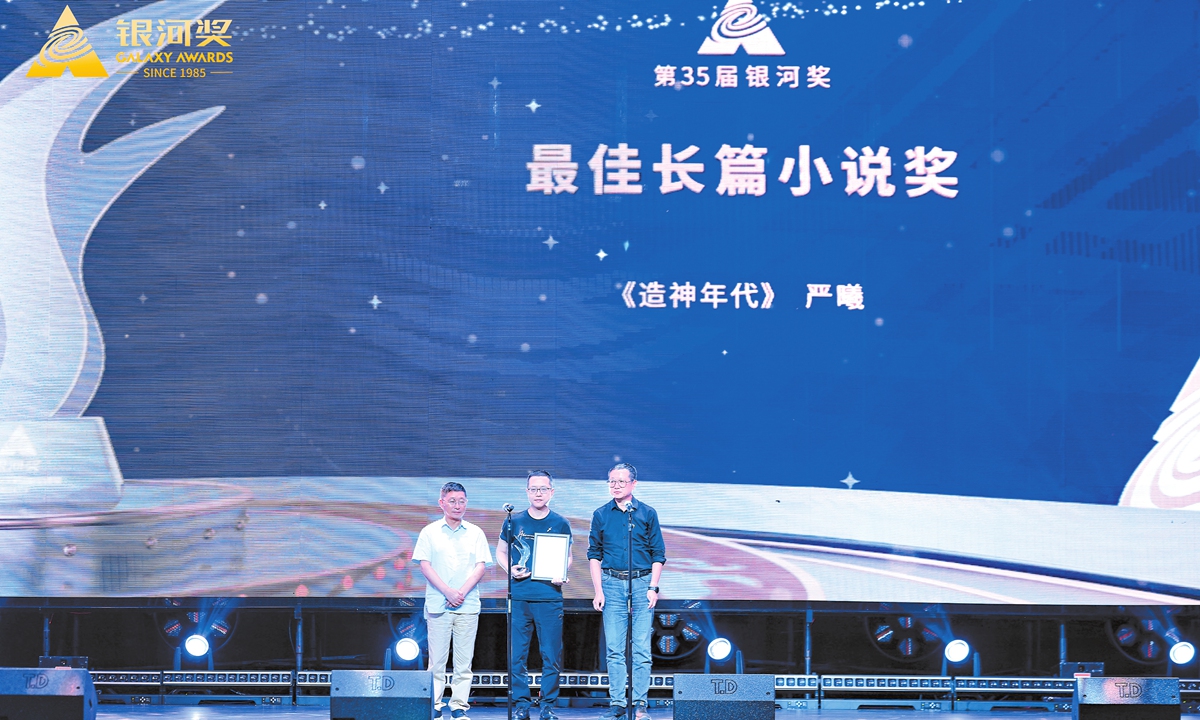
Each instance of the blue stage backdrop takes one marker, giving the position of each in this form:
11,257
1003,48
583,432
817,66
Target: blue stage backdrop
907,263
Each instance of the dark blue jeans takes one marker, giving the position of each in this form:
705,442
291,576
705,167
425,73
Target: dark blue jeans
548,618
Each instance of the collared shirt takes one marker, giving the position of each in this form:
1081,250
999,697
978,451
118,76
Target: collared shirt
609,537
453,553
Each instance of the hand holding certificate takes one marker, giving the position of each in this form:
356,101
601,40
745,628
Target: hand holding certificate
551,555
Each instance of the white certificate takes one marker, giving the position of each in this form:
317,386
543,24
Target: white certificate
551,551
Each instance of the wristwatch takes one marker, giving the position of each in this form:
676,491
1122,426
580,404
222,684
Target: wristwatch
654,588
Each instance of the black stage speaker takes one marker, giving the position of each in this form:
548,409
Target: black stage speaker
52,694
380,695
724,697
1126,698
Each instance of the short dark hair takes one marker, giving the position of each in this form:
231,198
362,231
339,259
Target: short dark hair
539,473
624,466
453,487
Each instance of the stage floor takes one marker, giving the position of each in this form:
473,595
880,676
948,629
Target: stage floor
489,713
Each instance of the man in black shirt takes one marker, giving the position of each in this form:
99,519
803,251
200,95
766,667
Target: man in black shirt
609,562
536,603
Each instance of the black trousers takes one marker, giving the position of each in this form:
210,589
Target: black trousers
547,617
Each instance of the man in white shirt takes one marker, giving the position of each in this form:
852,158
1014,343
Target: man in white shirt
453,554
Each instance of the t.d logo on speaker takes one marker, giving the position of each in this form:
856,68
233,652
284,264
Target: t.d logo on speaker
382,682
36,681
723,686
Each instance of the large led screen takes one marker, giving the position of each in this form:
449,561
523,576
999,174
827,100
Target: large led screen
891,301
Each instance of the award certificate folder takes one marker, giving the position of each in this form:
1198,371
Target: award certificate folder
551,552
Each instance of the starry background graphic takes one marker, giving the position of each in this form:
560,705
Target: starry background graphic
1023,340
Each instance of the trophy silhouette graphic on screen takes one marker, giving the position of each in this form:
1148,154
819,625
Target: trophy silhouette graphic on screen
54,460
1169,476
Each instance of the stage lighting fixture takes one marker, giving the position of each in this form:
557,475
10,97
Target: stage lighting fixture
407,649
196,646
675,637
884,633
904,638
1147,641
1150,650
722,656
957,651
1182,653
719,649
1126,635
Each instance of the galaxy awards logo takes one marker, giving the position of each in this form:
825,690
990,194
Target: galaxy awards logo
67,47
740,26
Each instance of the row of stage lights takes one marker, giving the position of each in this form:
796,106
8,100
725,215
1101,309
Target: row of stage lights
407,649
957,651
676,636
721,649
908,637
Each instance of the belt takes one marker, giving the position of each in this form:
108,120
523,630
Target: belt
624,574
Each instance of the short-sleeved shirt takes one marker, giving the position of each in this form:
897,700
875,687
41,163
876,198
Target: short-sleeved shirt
521,553
607,541
453,553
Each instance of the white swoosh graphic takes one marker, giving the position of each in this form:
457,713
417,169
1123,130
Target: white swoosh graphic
1169,475
54,195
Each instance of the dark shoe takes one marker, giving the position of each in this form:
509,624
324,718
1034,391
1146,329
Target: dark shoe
459,715
614,712
437,715
641,713
520,713
548,714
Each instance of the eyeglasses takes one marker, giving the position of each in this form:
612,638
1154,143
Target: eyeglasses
618,483
539,490
456,503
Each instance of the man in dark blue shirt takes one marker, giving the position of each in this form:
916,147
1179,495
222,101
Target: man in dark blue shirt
609,562
536,603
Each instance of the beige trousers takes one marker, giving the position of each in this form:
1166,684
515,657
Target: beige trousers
461,627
